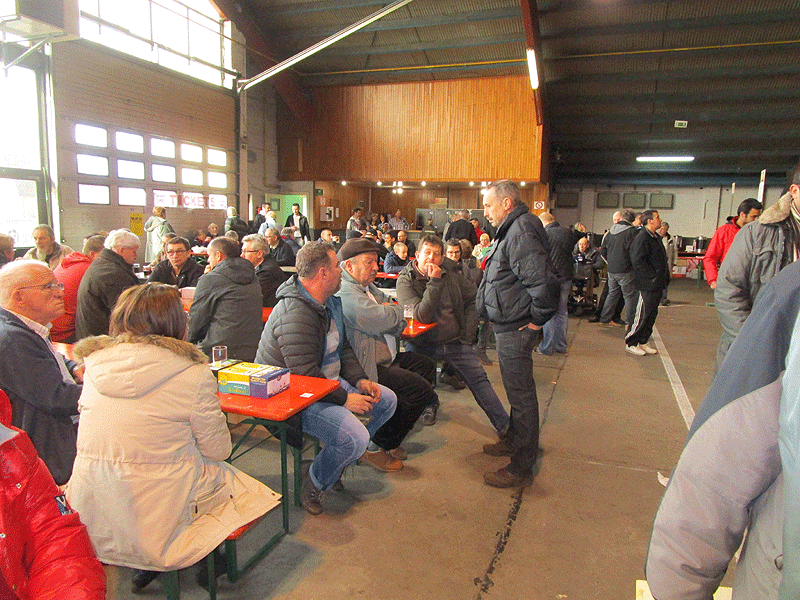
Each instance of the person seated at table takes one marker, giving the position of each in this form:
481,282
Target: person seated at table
373,323
150,478
287,234
180,269
6,249
306,333
483,247
440,294
212,231
70,272
372,236
105,279
47,249
587,263
161,255
279,248
201,239
39,384
47,553
326,235
226,309
402,236
397,259
270,276
389,240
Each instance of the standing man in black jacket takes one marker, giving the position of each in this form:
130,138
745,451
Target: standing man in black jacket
616,250
649,262
554,333
299,224
461,228
518,294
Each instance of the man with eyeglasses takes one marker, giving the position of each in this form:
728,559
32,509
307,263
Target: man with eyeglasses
270,276
40,384
179,268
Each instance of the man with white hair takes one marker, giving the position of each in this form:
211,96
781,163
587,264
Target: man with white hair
43,393
105,279
47,249
461,228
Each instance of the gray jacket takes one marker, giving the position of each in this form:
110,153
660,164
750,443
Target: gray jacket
226,310
367,324
758,253
740,455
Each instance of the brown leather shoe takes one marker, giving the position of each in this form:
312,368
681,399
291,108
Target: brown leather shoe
381,460
497,449
399,453
503,478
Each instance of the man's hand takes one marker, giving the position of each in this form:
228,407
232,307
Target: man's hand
77,373
531,326
713,285
433,271
370,388
359,404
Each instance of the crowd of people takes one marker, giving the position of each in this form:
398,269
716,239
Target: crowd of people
133,432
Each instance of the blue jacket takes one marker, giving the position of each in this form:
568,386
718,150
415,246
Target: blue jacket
43,403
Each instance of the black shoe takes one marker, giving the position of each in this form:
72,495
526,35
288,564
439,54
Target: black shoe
429,415
141,579
220,568
595,319
454,381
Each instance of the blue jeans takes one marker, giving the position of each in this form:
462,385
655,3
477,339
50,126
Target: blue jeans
343,436
554,332
516,366
464,361
619,283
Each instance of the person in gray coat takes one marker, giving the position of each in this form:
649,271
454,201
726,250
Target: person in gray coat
758,252
226,310
373,323
739,470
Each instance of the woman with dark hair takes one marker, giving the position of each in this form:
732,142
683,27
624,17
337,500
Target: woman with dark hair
149,480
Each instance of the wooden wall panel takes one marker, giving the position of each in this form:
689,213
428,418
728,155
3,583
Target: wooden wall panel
455,130
98,86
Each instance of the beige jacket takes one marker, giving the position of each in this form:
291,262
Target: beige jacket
149,479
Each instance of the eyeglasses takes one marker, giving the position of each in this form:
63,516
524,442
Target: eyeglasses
174,252
246,251
54,285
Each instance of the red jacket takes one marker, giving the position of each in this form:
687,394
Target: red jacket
718,248
69,272
45,552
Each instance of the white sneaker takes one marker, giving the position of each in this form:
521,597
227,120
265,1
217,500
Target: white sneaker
648,349
637,350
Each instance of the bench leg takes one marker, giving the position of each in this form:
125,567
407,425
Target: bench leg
172,583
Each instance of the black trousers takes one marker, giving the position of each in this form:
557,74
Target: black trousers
644,318
410,377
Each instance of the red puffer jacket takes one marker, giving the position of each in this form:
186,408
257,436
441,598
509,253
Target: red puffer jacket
45,552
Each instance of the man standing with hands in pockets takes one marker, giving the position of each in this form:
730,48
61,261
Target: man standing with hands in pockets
519,294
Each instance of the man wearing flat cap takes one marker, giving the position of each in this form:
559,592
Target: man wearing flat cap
373,323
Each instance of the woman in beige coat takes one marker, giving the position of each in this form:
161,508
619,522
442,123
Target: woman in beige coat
149,479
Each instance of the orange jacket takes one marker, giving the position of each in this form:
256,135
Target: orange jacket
718,248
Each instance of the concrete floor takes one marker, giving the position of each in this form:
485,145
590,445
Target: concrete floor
434,530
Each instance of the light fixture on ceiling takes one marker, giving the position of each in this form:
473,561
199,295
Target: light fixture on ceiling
522,184
399,184
394,190
471,183
380,183
399,190
534,74
665,159
344,183
423,184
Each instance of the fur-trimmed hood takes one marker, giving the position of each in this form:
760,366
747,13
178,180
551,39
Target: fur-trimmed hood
130,366
778,212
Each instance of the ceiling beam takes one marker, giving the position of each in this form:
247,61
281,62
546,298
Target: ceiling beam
580,101
660,25
665,180
745,73
512,38
296,35
693,116
262,52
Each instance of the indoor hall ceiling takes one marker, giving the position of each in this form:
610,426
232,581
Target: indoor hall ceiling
616,74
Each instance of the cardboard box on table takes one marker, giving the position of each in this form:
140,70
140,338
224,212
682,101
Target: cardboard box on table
251,379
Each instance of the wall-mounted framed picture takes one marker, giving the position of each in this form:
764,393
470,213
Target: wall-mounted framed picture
567,200
662,201
607,200
634,200
275,203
